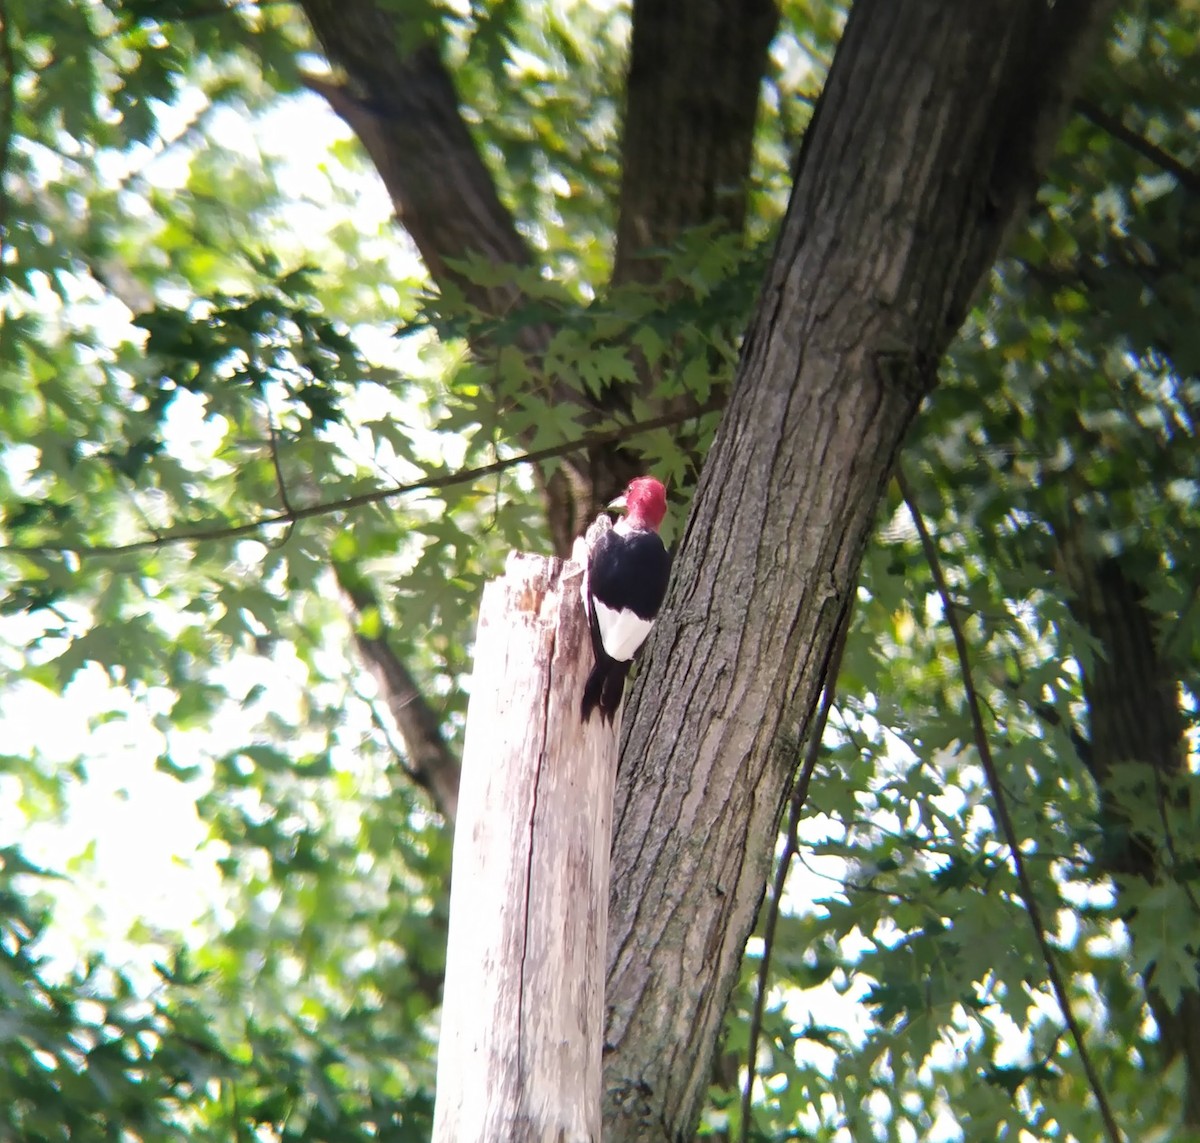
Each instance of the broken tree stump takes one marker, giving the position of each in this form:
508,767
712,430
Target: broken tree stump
523,1015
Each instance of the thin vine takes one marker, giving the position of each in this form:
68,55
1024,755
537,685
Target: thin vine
1004,818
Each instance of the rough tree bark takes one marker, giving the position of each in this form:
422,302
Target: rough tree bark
934,122
692,93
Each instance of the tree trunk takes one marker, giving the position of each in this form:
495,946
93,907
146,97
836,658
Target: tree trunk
519,1049
921,155
1134,718
695,70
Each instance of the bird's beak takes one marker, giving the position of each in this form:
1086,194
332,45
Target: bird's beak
618,504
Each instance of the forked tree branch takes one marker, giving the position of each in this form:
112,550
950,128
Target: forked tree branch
692,94
1003,817
400,100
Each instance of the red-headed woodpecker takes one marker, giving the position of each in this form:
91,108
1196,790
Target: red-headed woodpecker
626,580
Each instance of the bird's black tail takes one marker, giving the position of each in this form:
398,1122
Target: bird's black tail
604,688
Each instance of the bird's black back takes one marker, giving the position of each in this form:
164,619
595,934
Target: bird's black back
633,572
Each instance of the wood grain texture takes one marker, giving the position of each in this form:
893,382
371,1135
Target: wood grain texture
522,1020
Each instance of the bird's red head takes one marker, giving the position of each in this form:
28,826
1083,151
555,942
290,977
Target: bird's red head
645,502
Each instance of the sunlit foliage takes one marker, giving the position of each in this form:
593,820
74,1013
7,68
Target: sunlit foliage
218,364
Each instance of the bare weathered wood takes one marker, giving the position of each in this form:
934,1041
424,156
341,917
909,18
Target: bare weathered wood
523,1016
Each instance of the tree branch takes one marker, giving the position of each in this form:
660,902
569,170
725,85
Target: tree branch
695,72
402,104
692,98
1131,688
1004,818
426,757
1112,125
280,483
426,484
404,110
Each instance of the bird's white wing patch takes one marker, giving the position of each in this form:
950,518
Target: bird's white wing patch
621,632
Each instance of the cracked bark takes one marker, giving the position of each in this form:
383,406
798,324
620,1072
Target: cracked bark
1134,717
900,205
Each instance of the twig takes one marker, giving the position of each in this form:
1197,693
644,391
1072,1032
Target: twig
281,485
791,845
379,495
858,886
273,442
1111,125
1004,818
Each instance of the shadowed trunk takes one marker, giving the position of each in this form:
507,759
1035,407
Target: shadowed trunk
1135,719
